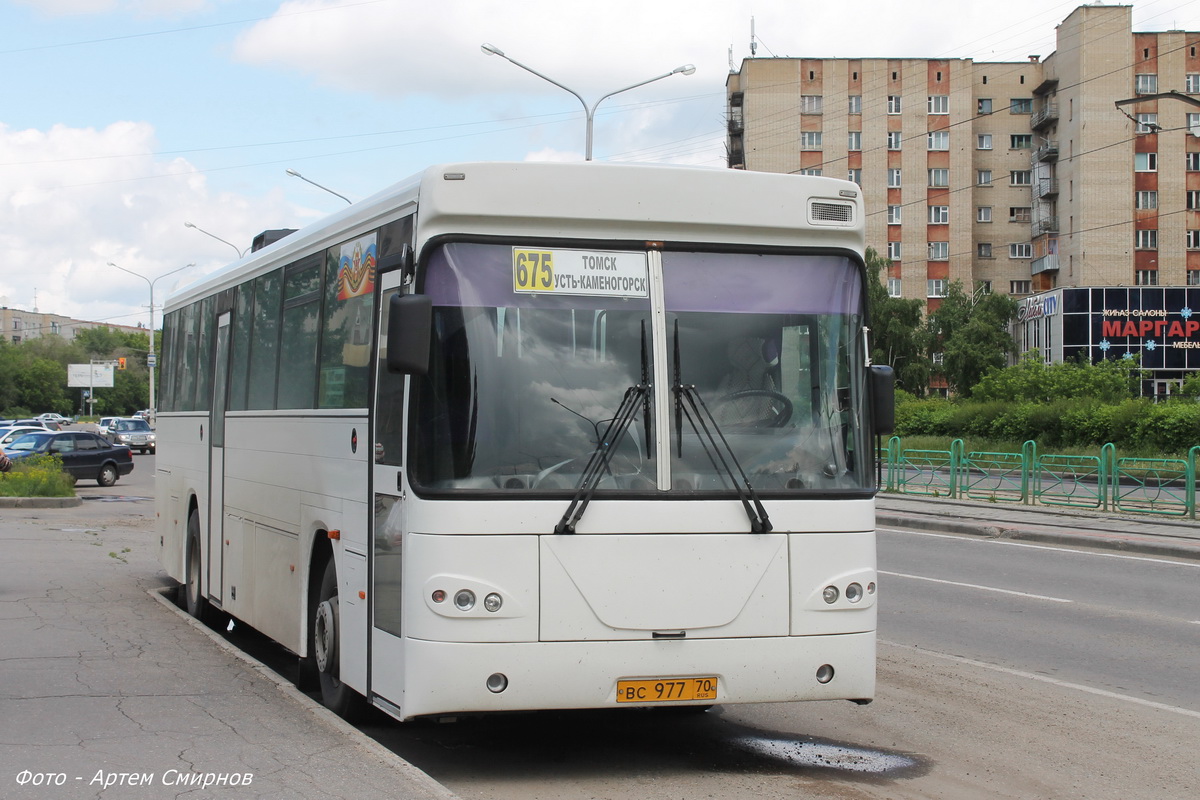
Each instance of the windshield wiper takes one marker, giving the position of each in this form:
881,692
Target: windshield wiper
689,403
633,400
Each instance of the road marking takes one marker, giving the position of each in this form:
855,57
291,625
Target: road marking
977,586
1059,549
1187,712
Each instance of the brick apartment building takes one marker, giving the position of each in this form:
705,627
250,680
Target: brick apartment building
1020,177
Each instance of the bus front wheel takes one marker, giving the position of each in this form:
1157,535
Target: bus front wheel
193,596
325,646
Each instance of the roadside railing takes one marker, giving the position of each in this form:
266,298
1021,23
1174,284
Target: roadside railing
1161,486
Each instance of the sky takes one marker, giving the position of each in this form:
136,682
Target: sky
122,120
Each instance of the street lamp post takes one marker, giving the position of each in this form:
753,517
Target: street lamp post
151,359
295,174
241,253
589,111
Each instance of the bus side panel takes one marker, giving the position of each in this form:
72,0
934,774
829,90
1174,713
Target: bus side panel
181,473
820,560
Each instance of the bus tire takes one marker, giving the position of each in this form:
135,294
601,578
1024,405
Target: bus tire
193,598
325,648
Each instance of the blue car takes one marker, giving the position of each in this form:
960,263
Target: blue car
85,456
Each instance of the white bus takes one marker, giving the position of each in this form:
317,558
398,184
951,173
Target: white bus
539,436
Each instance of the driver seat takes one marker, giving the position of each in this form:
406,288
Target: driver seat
748,370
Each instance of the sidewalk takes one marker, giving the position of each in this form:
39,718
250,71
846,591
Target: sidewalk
1133,533
108,691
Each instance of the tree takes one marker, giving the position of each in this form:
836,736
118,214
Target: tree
972,333
898,339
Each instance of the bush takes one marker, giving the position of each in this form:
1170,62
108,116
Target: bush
37,476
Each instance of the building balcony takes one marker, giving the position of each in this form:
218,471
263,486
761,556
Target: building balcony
1046,151
1045,188
1044,264
1045,225
1046,115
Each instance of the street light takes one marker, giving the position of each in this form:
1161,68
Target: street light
150,359
295,174
241,253
589,111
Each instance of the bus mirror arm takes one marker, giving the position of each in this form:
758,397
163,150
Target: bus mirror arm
410,319
883,399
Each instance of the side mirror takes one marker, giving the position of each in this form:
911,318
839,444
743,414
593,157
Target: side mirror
410,318
883,399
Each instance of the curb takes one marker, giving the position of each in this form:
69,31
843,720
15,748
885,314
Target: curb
1116,542
40,502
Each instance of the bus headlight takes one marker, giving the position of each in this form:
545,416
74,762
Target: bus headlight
854,592
464,600
830,594
493,602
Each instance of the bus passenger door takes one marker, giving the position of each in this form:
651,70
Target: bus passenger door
387,643
216,443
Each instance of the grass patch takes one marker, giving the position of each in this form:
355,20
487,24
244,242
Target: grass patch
37,476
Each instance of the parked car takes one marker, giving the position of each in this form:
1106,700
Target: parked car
85,456
11,433
50,416
133,433
102,427
40,423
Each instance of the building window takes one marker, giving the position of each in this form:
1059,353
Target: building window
811,171
1020,250
984,249
1145,83
1193,240
984,105
810,140
893,178
893,287
1193,277
894,215
983,177
939,177
1148,200
1020,105
1147,123
854,140
1020,214
1020,287
983,141
939,215
1191,83
1145,277
1020,177
1146,239
1193,200
1193,162
855,104
893,105
939,251
1193,124
854,175
939,140
1145,162
983,214
939,104
810,103
893,140
1020,141
935,287
893,251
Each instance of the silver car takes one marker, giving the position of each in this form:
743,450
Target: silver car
135,434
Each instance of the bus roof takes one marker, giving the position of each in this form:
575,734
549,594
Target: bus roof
583,200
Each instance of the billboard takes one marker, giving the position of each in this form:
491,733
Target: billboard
87,376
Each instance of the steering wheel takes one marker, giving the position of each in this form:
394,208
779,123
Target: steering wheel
779,407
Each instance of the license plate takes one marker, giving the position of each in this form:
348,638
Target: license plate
667,690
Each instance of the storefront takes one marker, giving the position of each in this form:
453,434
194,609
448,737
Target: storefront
1155,323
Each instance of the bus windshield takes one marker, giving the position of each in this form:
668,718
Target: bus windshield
523,384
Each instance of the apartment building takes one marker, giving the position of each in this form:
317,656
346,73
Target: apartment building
1016,177
17,325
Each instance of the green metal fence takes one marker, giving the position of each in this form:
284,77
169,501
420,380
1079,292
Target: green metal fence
1162,486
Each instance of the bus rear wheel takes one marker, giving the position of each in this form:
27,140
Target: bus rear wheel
193,597
325,648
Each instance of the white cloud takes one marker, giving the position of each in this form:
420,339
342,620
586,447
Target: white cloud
73,199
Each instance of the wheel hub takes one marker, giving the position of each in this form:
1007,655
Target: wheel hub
325,635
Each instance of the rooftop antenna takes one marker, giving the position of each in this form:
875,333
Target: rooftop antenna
753,43
731,58
35,300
